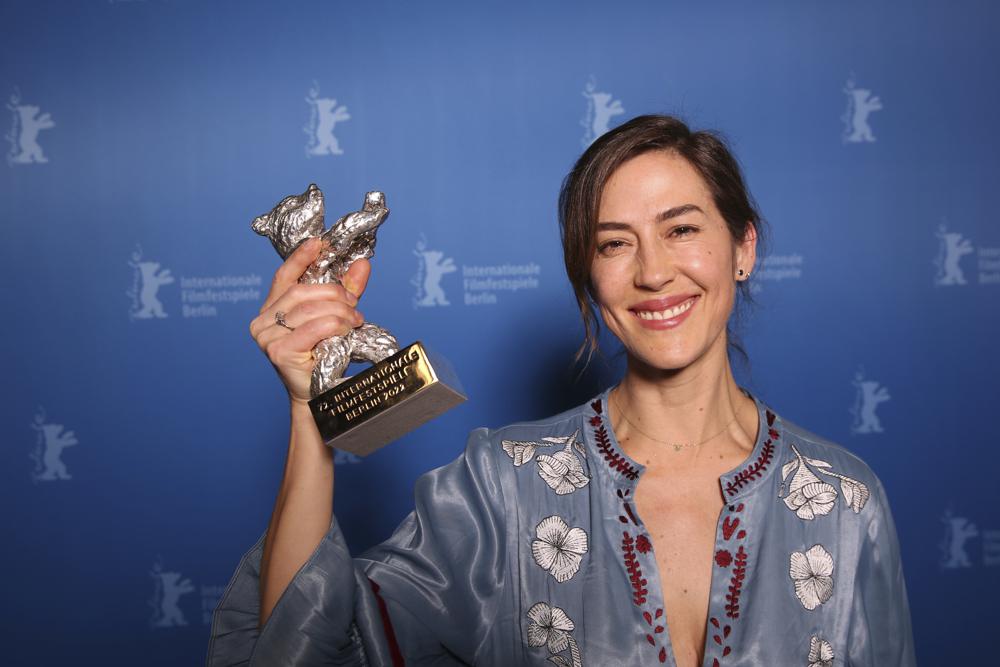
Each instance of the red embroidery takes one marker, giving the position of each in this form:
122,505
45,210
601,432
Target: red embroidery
753,471
728,526
736,584
614,459
723,558
634,570
390,635
642,544
719,639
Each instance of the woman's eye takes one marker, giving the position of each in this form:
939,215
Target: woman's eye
610,246
683,230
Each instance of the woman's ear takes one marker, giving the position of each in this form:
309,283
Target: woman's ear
746,252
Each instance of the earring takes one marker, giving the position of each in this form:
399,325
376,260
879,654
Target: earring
741,273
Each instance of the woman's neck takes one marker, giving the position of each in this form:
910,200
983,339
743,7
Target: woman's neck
697,407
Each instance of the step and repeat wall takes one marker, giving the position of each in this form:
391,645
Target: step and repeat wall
144,433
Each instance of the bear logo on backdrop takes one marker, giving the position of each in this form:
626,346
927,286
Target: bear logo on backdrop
432,266
27,121
958,530
951,249
324,114
147,279
50,442
948,262
168,588
860,104
601,108
171,597
868,396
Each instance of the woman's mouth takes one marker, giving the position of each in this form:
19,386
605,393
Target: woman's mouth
656,315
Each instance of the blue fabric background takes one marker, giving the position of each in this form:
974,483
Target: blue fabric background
174,122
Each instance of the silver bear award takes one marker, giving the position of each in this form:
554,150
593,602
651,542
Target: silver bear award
404,387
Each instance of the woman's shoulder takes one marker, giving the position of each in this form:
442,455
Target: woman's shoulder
811,460
805,442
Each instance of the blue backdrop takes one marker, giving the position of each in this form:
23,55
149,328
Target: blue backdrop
144,433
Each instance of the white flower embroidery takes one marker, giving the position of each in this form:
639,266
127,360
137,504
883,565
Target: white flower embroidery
809,496
559,548
519,450
812,573
552,627
820,653
562,471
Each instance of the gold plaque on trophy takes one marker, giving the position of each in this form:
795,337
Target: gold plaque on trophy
386,400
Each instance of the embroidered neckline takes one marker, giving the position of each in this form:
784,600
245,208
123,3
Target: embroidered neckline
736,483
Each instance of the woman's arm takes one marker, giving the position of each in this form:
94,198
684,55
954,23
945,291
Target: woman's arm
302,511
304,506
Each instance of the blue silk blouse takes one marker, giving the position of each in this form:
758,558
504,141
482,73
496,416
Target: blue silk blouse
527,550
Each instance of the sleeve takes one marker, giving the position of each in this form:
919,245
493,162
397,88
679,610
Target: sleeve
429,593
880,630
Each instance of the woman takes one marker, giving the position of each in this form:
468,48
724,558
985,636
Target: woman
674,519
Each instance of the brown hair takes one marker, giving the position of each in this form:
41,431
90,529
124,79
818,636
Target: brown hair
580,198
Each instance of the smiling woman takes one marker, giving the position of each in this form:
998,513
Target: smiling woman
673,519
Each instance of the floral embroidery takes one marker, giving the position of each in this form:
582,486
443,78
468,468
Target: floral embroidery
721,637
820,653
615,460
723,558
551,627
809,496
812,574
642,544
639,590
562,471
559,548
736,585
754,470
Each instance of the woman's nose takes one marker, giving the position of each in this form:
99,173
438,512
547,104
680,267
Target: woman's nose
656,267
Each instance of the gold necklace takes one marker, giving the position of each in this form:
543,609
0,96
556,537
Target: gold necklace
677,446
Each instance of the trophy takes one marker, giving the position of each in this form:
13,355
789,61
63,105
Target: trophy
403,388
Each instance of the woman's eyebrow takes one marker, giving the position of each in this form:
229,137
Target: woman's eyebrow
678,210
672,212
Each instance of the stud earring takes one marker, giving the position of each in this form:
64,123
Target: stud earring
741,273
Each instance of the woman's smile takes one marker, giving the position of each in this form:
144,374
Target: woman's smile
665,313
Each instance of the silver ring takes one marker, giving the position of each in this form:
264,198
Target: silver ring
279,319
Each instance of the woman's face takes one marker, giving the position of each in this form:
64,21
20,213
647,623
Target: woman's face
665,270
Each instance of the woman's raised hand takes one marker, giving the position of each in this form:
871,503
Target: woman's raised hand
312,313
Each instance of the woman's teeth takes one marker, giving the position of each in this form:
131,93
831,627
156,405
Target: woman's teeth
667,314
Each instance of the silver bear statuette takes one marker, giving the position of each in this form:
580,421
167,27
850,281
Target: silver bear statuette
298,218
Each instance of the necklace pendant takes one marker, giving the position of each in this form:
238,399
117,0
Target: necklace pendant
678,448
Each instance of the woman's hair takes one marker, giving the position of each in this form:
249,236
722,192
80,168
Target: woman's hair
580,199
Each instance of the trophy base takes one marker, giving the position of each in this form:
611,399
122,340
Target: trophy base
386,401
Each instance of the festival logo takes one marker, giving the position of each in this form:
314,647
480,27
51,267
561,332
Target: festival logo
432,266
27,121
952,247
868,396
958,530
324,114
50,442
168,588
147,279
601,108
200,296
860,104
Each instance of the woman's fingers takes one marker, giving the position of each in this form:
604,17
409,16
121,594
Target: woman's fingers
294,348
306,313
296,295
294,266
356,278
